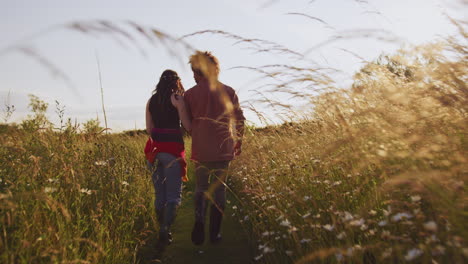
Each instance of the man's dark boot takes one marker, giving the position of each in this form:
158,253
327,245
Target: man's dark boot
165,235
216,217
160,215
198,231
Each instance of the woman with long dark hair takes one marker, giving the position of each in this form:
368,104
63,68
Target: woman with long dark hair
165,151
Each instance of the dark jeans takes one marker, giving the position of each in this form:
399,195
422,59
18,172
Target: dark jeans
210,185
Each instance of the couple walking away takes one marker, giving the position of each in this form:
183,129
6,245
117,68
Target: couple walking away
211,114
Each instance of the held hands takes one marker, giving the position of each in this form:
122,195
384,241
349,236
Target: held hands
177,101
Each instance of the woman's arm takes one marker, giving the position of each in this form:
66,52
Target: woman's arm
179,103
149,119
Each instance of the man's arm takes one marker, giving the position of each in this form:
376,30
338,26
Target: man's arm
240,120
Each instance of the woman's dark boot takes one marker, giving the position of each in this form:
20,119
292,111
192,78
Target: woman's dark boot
165,235
160,216
216,217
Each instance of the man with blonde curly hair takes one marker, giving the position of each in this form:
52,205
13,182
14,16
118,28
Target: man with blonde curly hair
212,114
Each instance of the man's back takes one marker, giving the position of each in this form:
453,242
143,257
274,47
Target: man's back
212,135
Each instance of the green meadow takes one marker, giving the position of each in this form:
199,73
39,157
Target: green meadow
374,173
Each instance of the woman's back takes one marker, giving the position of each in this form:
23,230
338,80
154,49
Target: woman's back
164,114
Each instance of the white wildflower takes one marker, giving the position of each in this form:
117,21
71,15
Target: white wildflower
385,212
234,207
388,211
50,189
328,227
348,216
341,235
383,223
85,191
430,226
285,223
382,153
359,222
305,240
336,183
413,253
292,229
363,227
267,250
415,198
49,180
400,216
125,183
100,163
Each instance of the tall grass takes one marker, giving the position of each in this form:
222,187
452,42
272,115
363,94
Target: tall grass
375,174
68,197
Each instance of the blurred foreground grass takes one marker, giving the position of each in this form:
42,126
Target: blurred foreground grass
375,174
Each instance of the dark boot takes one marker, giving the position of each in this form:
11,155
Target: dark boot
165,235
216,217
198,231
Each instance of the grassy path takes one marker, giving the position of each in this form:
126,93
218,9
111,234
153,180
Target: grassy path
234,248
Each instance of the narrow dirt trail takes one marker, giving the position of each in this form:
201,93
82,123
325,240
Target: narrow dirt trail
233,249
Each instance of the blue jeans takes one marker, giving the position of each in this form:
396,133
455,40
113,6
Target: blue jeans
167,180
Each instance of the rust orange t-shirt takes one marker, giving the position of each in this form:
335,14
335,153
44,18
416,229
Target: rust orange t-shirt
213,131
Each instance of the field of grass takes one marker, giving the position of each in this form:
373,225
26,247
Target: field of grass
374,174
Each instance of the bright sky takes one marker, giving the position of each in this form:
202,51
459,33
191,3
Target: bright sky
128,77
